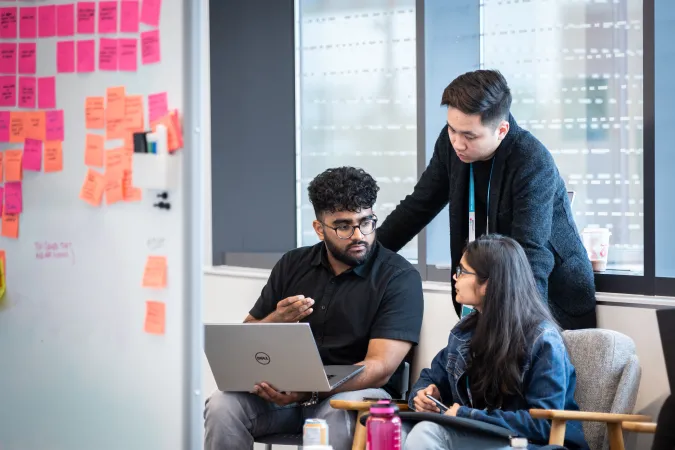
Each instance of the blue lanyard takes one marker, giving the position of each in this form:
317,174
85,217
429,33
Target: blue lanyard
466,310
472,203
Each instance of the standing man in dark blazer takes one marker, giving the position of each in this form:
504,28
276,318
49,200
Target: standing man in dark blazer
499,178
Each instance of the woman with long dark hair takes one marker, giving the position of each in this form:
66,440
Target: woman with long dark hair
506,357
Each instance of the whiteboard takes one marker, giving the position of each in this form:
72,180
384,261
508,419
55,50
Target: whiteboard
77,369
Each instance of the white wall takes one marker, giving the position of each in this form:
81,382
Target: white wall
230,292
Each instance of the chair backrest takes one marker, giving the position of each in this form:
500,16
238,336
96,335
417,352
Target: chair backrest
608,376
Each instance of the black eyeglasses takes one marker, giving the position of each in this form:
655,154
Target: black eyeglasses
460,270
345,231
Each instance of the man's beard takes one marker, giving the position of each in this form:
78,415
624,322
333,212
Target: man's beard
344,257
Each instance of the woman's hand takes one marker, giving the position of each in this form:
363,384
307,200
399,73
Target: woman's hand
453,410
422,403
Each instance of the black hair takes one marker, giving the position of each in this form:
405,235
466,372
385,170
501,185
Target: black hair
483,92
342,189
511,314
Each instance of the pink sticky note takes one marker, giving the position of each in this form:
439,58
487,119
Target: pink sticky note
150,12
13,197
65,25
2,199
86,17
150,47
8,91
86,56
107,17
46,92
4,126
47,21
54,125
107,54
28,22
65,57
27,58
158,106
32,155
129,17
8,22
8,58
27,87
127,50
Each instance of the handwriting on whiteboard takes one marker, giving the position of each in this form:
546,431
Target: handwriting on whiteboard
54,250
155,243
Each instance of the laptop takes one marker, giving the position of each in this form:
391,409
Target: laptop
666,320
284,355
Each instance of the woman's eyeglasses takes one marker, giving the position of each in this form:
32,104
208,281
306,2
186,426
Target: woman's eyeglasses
461,270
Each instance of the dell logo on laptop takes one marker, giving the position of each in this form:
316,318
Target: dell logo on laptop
262,358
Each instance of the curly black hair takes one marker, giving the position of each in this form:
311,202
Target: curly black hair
342,189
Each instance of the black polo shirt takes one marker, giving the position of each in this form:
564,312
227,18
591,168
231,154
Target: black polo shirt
381,298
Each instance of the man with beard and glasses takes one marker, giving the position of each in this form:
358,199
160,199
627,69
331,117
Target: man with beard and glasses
363,303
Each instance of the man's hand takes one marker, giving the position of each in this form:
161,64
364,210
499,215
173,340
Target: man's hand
423,404
291,309
267,392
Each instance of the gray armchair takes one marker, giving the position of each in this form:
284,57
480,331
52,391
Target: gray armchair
608,377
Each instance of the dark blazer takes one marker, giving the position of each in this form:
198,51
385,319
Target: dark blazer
528,202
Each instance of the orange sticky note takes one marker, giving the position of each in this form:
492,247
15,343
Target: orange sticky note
155,317
175,118
10,225
92,189
113,186
133,113
93,154
173,140
34,125
13,165
116,160
2,171
95,113
129,142
114,128
130,193
154,275
115,103
17,132
53,157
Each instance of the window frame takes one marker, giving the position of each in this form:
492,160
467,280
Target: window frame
646,284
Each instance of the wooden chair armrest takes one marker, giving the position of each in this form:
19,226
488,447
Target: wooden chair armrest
554,414
639,427
359,405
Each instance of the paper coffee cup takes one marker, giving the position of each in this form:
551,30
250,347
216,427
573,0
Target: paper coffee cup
596,242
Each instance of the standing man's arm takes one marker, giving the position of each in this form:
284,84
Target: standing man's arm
533,196
430,195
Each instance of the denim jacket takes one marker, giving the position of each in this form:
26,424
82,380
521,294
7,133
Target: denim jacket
549,380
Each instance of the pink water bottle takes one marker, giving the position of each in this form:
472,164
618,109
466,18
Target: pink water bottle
383,427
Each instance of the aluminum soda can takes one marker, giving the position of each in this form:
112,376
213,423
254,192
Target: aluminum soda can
315,432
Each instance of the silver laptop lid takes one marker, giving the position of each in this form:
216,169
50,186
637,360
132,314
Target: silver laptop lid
281,354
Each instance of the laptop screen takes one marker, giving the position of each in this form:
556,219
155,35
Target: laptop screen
571,195
666,320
